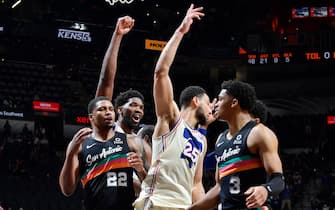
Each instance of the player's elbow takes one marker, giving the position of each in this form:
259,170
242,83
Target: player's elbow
67,194
66,191
161,72
66,188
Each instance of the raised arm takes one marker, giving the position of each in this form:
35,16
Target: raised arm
69,175
109,64
166,108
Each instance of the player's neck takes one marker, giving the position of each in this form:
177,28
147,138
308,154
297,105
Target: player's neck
102,134
189,117
124,127
238,123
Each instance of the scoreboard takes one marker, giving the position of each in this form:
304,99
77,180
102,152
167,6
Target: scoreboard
289,57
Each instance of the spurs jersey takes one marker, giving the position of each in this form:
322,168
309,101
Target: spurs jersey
175,156
106,175
238,168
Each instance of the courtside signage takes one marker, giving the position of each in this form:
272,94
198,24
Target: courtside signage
5,113
82,120
154,44
331,120
46,106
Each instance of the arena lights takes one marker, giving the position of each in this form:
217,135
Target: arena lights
79,26
112,2
16,3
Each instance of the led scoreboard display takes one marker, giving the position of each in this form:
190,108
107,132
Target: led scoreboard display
289,57
268,58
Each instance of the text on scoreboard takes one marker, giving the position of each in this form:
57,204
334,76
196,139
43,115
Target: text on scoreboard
289,57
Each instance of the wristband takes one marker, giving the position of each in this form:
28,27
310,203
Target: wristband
275,184
202,131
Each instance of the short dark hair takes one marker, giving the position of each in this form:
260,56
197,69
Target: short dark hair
260,111
123,97
244,92
188,93
146,130
92,104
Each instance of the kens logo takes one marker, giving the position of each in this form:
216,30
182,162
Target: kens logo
75,35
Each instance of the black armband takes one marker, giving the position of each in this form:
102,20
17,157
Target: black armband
275,184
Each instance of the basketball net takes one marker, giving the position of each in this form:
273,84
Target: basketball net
112,2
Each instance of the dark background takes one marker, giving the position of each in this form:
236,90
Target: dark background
210,50
36,65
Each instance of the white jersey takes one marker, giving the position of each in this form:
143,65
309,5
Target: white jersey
174,160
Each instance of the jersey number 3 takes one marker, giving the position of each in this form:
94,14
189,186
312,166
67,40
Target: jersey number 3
234,185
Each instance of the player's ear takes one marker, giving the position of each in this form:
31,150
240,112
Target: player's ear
119,110
195,101
90,117
234,102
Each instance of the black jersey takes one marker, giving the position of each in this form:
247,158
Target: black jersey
106,175
238,168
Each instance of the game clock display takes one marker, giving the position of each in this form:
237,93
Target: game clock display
290,57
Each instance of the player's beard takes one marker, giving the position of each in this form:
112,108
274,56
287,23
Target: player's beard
128,122
201,116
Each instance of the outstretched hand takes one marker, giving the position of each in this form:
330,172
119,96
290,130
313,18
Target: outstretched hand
256,196
78,139
214,115
135,161
124,25
188,19
210,117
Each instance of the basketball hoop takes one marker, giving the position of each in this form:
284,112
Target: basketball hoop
112,2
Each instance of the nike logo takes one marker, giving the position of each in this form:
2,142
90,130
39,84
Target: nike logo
91,145
219,144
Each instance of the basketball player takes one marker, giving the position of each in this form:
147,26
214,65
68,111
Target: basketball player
130,109
129,104
144,136
109,64
174,179
102,160
259,112
249,170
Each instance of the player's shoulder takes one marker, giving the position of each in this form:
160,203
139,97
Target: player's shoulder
261,132
261,128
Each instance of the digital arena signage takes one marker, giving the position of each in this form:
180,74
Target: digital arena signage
289,57
83,36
